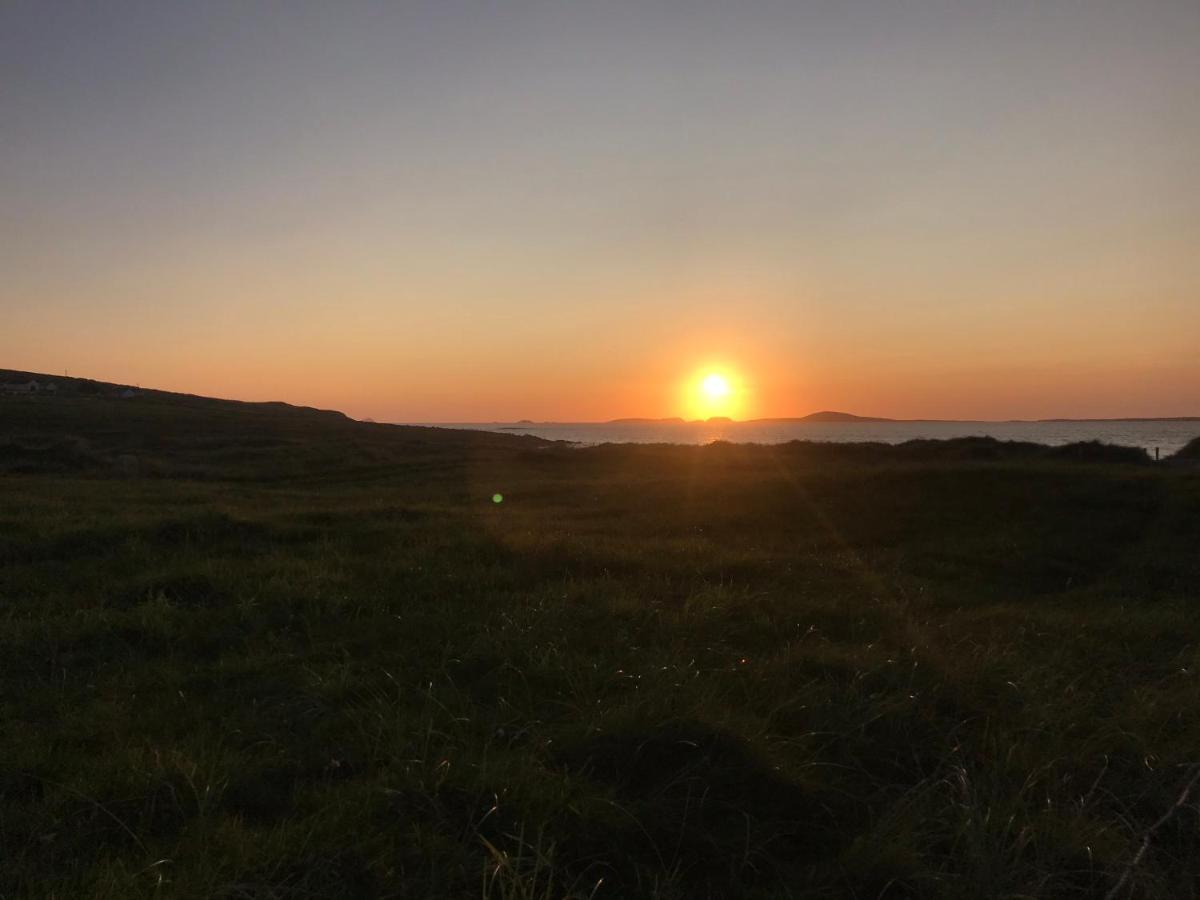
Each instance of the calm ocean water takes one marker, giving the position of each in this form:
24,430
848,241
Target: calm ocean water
1166,436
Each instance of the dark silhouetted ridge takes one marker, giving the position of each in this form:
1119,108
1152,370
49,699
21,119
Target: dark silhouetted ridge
83,425
828,416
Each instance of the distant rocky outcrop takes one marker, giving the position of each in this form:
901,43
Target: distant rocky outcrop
829,416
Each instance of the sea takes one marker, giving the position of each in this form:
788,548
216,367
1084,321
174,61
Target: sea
1164,435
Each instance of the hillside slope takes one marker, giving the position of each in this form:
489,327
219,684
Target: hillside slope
91,426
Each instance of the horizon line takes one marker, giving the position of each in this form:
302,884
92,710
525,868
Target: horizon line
842,418
853,420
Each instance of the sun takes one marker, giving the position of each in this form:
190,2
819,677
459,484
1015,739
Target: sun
715,386
713,393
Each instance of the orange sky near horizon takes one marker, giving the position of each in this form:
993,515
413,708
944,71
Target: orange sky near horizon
452,213
451,370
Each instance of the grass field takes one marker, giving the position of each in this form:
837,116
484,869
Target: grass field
255,651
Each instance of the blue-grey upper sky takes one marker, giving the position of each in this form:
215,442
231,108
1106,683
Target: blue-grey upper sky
473,210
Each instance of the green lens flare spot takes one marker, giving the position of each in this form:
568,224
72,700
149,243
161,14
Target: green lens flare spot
497,498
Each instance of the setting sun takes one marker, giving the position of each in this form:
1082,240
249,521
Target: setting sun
713,392
716,386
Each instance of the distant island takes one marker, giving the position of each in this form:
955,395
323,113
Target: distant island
831,416
828,416
823,416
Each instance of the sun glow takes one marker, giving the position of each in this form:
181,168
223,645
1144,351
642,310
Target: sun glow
712,393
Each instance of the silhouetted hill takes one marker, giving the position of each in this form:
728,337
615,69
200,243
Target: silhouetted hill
827,416
96,426
88,387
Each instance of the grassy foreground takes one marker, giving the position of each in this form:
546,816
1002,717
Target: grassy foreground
261,652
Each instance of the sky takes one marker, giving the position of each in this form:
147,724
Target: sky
453,211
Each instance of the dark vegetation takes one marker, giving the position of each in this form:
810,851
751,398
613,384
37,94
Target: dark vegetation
257,651
1190,452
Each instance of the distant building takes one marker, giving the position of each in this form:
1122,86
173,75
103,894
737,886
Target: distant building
128,393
